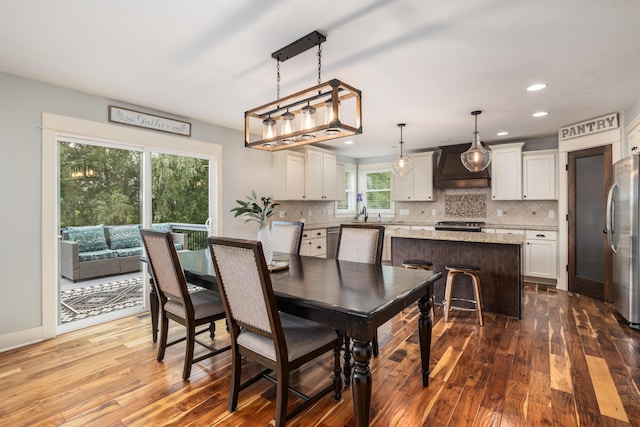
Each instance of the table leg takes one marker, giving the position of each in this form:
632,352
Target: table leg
425,326
361,385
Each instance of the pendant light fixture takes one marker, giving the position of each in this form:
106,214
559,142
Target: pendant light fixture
298,119
477,157
403,164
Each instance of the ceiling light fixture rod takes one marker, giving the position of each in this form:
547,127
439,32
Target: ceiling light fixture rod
304,43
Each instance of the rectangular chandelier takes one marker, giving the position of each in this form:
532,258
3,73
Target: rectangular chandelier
326,111
323,112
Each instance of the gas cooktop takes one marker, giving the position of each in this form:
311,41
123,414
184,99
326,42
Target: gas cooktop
474,226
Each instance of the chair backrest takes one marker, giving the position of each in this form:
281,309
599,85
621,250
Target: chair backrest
166,270
360,243
286,236
246,290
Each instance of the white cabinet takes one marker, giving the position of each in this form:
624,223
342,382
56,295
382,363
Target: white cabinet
288,176
539,175
320,175
633,137
417,186
506,171
314,243
540,254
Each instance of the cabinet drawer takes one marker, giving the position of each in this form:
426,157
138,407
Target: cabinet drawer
314,247
311,234
541,235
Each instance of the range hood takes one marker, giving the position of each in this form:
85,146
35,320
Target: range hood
451,173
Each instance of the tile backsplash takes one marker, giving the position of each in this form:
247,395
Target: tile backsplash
451,204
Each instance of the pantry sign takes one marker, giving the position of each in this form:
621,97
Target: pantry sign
599,124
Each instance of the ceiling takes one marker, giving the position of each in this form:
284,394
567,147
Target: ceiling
422,62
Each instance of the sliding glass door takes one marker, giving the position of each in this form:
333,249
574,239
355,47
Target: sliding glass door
101,207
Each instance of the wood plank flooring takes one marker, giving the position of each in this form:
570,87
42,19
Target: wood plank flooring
568,362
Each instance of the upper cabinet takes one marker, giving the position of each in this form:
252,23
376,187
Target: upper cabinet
320,175
416,186
633,137
506,171
288,175
539,175
307,175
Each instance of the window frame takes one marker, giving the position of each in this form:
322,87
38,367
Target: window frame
363,171
351,193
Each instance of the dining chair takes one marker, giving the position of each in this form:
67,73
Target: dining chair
278,341
286,236
176,303
359,243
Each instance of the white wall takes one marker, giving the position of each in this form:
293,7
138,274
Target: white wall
21,106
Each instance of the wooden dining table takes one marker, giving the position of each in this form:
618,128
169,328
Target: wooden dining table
353,298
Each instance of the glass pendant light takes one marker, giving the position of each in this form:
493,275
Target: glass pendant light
328,116
308,121
288,127
477,157
268,128
403,164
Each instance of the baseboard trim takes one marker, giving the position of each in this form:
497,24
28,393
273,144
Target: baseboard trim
21,338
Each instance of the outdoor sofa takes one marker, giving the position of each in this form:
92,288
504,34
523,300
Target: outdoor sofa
97,250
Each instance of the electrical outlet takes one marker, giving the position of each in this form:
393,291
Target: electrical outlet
499,213
283,214
310,212
404,212
552,214
329,212
433,212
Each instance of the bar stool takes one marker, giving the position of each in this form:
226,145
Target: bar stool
418,264
454,270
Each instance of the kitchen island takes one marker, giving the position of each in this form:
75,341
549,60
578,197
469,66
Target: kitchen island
498,255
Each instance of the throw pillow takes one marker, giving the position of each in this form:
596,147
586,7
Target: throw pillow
89,238
124,236
164,227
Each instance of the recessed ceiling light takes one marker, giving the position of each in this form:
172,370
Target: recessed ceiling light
536,86
349,141
540,114
502,133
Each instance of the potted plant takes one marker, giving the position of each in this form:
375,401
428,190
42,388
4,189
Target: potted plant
258,210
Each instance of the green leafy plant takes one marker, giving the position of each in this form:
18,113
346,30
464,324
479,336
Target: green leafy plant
254,209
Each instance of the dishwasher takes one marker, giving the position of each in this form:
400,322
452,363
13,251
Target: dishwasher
332,241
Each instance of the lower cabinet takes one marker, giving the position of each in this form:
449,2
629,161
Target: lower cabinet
390,231
540,254
314,243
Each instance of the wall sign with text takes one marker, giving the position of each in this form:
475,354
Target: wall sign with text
599,124
148,121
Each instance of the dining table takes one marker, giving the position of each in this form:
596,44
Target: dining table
354,298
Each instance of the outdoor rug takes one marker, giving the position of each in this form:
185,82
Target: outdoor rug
81,303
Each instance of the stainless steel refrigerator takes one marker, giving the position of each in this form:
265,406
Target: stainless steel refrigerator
623,230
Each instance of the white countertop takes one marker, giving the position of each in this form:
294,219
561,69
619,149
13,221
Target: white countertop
461,236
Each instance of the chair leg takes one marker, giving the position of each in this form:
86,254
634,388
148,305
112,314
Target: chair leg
212,330
236,372
447,295
164,330
347,361
153,307
476,288
282,394
337,377
188,352
374,345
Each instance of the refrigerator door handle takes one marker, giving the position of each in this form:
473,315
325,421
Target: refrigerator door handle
609,217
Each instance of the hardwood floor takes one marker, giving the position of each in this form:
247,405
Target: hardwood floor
567,362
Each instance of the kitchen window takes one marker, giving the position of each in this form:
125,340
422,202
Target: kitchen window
375,186
347,205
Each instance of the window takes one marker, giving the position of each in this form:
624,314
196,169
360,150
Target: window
348,204
375,186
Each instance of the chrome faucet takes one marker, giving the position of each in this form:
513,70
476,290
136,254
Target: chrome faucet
364,212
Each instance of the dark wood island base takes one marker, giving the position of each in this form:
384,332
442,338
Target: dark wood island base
501,263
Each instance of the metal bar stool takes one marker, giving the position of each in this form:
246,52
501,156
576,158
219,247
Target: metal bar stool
454,270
